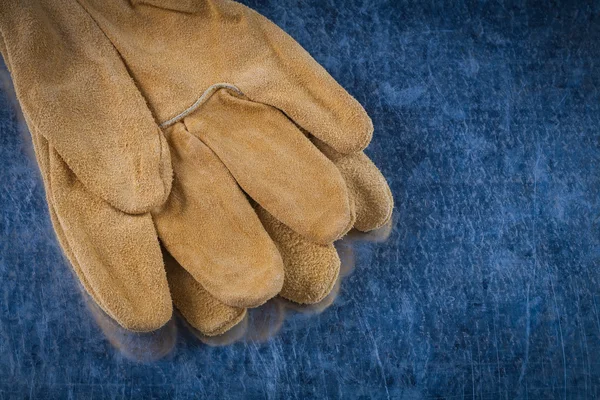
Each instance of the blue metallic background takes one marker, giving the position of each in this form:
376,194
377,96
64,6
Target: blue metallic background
487,118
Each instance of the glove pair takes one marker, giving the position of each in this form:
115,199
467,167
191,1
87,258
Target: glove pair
192,153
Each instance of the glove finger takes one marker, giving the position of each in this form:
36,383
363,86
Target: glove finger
272,160
311,269
368,188
199,308
116,256
75,90
211,229
291,80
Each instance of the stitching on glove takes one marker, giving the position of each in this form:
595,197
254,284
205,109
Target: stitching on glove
201,100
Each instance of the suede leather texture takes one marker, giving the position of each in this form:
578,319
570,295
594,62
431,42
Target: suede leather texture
206,224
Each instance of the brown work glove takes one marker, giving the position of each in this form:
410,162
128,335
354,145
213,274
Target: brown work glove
223,80
106,164
63,81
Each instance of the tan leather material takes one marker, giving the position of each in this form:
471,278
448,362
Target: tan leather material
88,158
200,309
108,168
73,86
208,225
372,197
255,128
275,164
311,269
116,255
129,286
176,56
123,264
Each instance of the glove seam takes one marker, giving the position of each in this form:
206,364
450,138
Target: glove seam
200,101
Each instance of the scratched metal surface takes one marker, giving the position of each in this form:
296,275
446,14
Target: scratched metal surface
486,285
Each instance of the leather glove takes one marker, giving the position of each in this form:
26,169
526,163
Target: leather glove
92,253
106,165
221,76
